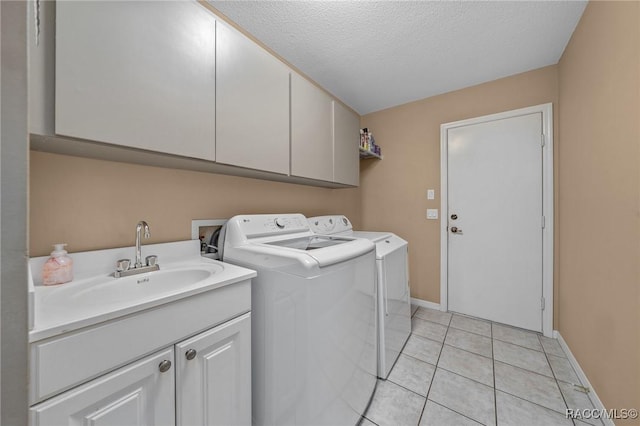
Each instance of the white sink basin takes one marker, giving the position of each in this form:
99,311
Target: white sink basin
107,291
95,296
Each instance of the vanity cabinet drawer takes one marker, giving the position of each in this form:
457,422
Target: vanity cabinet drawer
59,363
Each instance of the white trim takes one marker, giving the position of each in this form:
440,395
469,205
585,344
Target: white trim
197,223
597,404
547,204
425,304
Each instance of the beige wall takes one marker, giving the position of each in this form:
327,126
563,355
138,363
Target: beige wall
92,204
394,190
599,211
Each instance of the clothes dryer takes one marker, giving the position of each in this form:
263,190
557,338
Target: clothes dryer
394,304
313,328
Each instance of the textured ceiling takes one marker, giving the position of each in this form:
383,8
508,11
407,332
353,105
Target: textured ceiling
378,54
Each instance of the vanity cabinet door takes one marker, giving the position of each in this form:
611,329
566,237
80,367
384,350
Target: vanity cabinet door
346,135
214,376
252,104
137,394
139,74
311,130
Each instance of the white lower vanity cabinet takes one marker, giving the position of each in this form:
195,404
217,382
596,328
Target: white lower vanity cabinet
141,393
213,376
178,358
204,380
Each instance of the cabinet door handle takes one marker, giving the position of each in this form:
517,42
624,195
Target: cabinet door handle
165,366
190,354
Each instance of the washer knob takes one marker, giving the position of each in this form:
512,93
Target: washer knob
279,223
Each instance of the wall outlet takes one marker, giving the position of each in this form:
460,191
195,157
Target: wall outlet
431,194
432,213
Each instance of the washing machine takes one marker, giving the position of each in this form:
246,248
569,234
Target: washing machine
313,319
394,303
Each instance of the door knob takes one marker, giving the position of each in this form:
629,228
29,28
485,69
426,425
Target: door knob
456,230
454,216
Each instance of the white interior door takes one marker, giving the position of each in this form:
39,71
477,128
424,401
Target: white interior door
495,220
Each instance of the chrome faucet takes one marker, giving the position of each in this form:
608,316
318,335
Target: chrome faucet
139,227
124,267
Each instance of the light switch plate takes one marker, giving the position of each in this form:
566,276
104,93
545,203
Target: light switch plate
432,213
431,194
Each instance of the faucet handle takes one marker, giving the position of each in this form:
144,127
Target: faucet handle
151,260
123,265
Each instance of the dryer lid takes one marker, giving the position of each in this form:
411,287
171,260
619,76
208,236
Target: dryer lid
389,244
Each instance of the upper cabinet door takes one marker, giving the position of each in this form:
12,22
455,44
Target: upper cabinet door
252,104
137,73
311,130
346,135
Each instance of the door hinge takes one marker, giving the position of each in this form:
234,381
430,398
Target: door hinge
36,9
542,304
544,222
542,140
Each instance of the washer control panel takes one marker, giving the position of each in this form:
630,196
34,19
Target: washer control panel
263,225
330,224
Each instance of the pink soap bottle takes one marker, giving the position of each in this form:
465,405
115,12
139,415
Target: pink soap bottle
58,269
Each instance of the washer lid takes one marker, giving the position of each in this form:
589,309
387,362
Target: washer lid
311,242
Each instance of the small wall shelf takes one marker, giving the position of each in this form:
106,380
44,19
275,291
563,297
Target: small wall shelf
364,153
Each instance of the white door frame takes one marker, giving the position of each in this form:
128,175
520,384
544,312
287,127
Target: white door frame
547,204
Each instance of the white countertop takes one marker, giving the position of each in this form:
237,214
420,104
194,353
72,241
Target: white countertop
54,310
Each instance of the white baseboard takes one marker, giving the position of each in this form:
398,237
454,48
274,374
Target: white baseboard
597,404
425,304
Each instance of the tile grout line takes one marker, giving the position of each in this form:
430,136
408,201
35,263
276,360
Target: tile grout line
527,400
470,352
434,372
493,339
364,416
531,402
405,388
451,409
537,335
417,359
427,338
464,377
452,326
495,392
529,371
520,346
546,356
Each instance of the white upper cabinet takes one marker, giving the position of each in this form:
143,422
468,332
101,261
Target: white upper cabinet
311,130
346,134
169,77
137,73
252,104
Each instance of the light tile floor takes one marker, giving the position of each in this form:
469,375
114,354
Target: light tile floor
457,370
